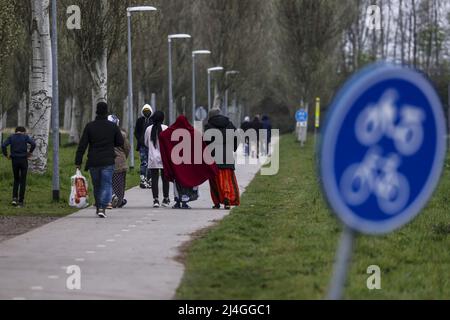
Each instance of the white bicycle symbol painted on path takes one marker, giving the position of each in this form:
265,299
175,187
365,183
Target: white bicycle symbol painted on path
376,174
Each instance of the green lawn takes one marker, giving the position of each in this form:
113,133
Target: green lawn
281,243
39,188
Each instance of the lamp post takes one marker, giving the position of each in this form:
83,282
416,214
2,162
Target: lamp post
194,54
210,70
130,11
170,38
55,105
232,72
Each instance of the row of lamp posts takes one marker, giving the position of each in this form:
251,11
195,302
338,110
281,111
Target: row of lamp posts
195,53
55,105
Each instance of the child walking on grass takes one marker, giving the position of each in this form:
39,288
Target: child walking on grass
20,154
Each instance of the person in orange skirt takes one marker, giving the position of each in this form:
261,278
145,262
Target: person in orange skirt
224,187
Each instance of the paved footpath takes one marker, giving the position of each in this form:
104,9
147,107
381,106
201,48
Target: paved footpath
129,255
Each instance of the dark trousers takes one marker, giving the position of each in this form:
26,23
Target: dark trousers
20,170
119,182
155,181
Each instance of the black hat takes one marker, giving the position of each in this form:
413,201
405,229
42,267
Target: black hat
102,109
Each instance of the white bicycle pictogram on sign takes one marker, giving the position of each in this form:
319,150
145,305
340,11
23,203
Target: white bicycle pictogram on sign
376,174
379,121
379,176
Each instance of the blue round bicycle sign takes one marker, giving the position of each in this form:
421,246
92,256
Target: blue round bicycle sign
301,116
383,148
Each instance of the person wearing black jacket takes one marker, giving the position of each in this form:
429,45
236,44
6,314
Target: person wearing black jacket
257,126
19,157
224,187
142,124
245,126
101,136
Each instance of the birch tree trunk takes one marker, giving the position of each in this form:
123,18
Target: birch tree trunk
68,113
99,75
74,135
40,84
125,115
22,111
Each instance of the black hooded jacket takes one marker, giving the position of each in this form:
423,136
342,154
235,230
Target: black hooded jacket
101,136
139,131
223,124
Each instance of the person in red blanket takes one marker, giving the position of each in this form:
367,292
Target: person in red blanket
182,150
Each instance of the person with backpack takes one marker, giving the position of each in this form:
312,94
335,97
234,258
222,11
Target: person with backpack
102,137
20,154
155,164
119,179
142,124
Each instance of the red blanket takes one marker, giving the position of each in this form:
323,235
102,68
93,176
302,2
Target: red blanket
186,172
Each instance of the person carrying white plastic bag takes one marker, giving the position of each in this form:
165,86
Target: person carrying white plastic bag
79,197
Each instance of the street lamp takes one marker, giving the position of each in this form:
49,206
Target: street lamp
232,72
210,70
55,104
130,11
170,37
195,53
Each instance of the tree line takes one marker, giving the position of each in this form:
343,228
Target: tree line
286,51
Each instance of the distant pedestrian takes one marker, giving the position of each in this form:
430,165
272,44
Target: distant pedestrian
224,187
119,179
142,124
267,139
245,126
19,157
257,125
155,163
102,137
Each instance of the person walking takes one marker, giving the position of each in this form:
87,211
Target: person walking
267,140
155,164
20,154
257,126
224,187
101,136
245,126
142,124
119,179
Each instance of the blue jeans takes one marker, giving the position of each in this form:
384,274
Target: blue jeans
143,152
102,181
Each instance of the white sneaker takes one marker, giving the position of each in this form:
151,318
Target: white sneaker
101,213
156,204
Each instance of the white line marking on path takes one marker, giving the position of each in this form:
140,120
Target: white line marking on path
125,230
110,240
101,246
19,298
37,288
132,226
79,259
90,252
117,235
53,277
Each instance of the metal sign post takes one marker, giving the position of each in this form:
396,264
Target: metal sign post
386,122
302,124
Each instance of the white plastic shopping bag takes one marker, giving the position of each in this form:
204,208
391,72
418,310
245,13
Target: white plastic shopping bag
79,197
